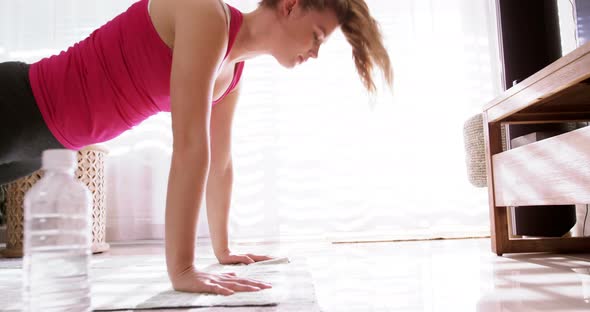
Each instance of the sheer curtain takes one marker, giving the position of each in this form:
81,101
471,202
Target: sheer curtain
314,155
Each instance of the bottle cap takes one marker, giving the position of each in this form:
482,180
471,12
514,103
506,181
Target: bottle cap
59,158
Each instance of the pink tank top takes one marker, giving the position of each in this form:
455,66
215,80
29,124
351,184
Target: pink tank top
112,80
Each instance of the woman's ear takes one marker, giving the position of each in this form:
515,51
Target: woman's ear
288,6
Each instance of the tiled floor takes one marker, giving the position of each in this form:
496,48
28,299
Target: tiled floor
449,275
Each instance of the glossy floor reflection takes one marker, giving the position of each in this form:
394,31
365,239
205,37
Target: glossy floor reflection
448,275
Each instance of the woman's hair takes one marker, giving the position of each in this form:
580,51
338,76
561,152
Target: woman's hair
361,31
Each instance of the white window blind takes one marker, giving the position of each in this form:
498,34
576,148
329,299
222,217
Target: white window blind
311,158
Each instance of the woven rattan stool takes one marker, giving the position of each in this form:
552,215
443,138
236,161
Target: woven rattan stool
475,154
90,171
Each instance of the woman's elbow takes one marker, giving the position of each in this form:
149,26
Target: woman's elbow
191,152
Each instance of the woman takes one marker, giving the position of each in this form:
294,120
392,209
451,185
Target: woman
179,56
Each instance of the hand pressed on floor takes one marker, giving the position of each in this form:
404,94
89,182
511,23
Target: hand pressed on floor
225,284
230,258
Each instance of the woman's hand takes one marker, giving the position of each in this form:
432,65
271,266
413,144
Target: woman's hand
228,257
225,284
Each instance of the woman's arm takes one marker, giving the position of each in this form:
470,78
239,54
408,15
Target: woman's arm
220,181
199,44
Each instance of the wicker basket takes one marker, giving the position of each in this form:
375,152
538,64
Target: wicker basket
475,154
90,171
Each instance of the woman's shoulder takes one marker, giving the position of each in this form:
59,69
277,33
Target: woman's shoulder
200,9
166,15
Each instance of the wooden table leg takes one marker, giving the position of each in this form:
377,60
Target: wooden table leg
498,217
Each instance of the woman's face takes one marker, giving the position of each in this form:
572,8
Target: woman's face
302,32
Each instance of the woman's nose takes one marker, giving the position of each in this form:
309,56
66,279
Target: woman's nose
314,52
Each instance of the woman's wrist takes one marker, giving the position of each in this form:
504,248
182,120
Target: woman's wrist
221,252
176,272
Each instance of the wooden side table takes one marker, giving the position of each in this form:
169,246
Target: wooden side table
555,171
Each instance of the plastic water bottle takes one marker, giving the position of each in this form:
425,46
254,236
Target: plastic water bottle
57,238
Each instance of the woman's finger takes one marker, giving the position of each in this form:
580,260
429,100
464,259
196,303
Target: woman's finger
242,280
215,288
244,259
259,257
227,278
252,282
235,286
236,259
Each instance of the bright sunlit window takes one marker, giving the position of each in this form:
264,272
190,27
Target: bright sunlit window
314,155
